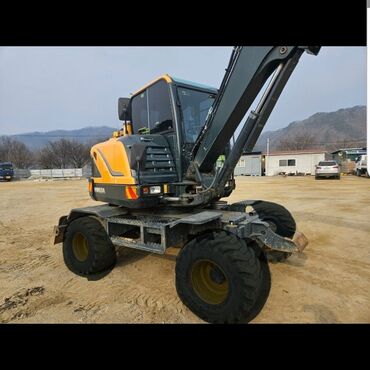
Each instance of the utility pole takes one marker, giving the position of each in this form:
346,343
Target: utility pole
267,155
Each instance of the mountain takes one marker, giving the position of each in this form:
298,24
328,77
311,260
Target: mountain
346,125
36,140
340,127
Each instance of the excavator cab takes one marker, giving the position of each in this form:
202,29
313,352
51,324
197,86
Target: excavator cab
149,157
170,105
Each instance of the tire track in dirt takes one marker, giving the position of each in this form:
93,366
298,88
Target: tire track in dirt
315,276
154,300
28,261
10,267
90,311
39,260
129,285
27,302
34,249
151,294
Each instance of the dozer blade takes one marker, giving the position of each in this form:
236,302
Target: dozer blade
300,241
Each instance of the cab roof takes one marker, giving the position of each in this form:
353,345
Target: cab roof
169,79
180,81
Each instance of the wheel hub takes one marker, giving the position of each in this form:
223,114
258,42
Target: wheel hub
209,282
216,275
80,247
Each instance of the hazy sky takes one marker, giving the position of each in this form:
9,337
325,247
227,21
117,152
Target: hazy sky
48,88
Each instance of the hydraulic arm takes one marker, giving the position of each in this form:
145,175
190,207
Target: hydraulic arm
249,69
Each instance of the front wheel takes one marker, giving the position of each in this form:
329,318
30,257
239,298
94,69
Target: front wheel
264,287
218,277
87,248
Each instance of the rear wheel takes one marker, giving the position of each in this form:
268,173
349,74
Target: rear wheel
281,222
218,277
87,248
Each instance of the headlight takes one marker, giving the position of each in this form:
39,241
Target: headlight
155,190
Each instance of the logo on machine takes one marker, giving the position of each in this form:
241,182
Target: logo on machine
99,190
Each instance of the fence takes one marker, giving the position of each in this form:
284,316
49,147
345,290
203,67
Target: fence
53,173
21,174
64,172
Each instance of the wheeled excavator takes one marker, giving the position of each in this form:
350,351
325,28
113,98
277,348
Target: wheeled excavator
164,178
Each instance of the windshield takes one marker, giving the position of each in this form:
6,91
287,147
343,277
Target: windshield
194,107
327,164
6,166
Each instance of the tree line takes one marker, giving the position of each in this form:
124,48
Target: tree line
63,153
307,141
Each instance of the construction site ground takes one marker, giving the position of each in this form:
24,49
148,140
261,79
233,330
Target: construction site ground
328,283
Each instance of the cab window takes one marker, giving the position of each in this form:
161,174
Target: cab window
195,106
160,114
139,106
151,109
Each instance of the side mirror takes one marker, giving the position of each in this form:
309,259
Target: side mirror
124,112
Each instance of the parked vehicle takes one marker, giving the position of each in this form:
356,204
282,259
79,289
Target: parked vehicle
6,171
361,165
327,169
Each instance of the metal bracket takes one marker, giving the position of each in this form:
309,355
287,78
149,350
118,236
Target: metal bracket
198,218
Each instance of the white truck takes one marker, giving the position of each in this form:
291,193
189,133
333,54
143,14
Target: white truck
361,165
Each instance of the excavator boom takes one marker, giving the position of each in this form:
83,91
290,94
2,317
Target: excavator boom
248,71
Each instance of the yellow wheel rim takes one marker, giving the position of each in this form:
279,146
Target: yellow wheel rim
80,247
209,282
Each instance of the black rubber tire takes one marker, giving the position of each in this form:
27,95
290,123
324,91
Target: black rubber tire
264,287
238,263
101,252
283,221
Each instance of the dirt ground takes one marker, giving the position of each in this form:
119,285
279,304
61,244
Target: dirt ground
328,283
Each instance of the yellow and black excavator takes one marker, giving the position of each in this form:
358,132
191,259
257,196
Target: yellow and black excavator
163,183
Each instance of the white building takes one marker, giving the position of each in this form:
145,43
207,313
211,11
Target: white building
302,162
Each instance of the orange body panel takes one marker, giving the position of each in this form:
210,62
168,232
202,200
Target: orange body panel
112,162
